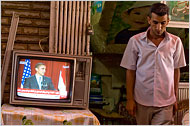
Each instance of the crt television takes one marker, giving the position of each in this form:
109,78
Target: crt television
68,75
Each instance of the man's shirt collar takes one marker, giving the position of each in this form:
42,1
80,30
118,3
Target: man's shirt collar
145,35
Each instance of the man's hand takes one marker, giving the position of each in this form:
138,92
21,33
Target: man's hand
131,107
175,108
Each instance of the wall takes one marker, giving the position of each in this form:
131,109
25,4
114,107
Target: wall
106,58
33,26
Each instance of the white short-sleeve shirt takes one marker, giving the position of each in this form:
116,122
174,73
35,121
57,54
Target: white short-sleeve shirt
154,84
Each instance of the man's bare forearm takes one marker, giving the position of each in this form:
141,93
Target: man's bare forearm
130,83
176,81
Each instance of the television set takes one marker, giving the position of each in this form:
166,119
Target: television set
66,79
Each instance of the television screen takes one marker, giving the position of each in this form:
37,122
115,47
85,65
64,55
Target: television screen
45,79
49,79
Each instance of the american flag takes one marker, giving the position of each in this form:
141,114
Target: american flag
26,71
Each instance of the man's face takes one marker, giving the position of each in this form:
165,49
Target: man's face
158,24
41,70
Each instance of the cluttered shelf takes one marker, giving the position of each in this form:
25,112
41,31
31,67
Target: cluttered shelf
112,118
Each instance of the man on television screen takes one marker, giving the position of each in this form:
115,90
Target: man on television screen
39,81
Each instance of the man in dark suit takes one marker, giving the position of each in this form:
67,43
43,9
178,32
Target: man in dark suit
39,81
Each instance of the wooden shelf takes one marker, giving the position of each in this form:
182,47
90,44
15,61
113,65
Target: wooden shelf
106,118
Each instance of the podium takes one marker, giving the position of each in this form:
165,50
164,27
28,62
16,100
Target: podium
20,115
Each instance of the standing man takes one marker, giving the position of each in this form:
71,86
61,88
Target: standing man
153,60
39,81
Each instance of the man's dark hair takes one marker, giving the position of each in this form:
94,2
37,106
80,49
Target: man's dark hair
39,64
159,8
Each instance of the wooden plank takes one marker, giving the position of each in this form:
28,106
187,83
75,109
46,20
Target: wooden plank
9,48
76,29
56,25
80,28
72,29
60,27
84,29
65,26
69,27
88,24
52,27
